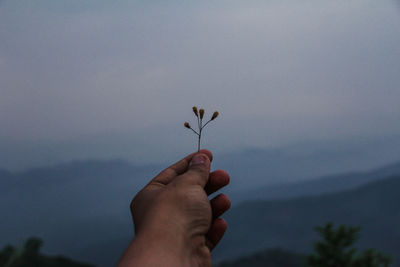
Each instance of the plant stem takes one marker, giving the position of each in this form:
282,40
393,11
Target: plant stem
198,122
200,129
194,131
205,124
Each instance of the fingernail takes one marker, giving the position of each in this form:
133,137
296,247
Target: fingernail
198,159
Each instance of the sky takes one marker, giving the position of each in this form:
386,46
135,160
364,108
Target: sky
117,79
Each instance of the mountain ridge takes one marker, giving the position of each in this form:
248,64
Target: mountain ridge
80,199
321,185
288,223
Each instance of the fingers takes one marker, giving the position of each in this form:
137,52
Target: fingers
216,232
198,170
167,175
219,205
216,181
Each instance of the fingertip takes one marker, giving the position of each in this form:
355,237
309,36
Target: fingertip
207,152
227,201
222,224
217,180
219,227
220,204
200,159
225,178
199,170
216,232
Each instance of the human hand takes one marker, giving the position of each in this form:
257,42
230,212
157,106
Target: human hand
175,223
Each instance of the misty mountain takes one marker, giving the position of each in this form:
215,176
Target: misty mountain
82,208
5,174
275,257
322,185
255,168
72,206
258,225
5,180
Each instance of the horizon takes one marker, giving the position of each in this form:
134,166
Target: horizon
263,167
371,144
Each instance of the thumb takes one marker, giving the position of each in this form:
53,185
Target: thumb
199,170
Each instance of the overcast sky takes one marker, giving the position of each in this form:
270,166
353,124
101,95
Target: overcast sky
100,78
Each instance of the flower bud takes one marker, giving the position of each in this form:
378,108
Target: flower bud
187,125
201,113
195,111
215,114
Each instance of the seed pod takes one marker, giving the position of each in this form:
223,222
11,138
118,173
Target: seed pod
195,111
201,113
187,125
215,114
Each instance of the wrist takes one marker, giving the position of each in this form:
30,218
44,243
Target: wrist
156,248
179,239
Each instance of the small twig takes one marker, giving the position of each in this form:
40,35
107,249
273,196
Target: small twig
194,131
200,114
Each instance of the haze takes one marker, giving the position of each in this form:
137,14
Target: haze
101,79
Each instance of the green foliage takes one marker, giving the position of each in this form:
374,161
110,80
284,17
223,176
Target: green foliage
6,254
372,258
335,250
29,255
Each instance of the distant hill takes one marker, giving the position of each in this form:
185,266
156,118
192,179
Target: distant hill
271,257
89,200
5,174
319,186
5,180
258,167
258,225
29,255
76,208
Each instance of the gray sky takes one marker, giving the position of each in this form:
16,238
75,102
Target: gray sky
118,78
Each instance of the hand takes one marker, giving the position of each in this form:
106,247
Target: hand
175,223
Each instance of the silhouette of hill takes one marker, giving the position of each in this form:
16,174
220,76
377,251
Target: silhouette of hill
90,200
256,167
271,257
288,223
5,180
29,255
85,200
322,185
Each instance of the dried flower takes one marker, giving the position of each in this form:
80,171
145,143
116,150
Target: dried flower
215,114
200,114
195,111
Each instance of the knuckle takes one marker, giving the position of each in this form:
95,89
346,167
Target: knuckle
132,205
198,174
135,201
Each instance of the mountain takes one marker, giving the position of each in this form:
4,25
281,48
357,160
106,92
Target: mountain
322,185
29,255
81,209
258,225
5,174
5,180
262,168
73,207
271,257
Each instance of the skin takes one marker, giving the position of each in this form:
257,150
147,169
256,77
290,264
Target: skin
175,222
